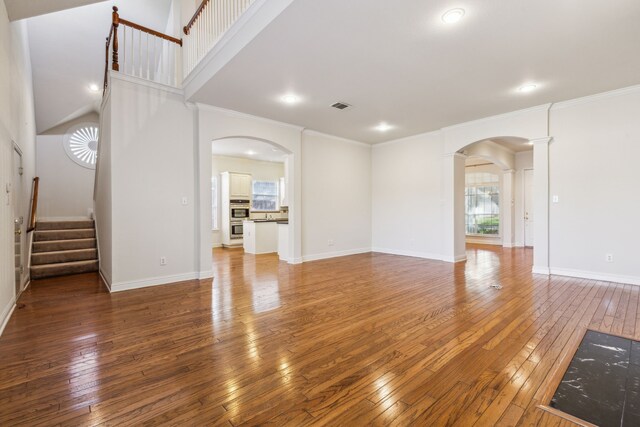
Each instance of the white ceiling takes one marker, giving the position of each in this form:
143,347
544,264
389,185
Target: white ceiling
67,55
398,62
248,149
517,145
21,9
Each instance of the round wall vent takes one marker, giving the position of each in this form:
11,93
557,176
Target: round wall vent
81,144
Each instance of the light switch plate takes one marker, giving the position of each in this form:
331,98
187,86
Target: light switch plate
556,199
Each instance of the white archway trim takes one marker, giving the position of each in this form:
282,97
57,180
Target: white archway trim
541,204
454,245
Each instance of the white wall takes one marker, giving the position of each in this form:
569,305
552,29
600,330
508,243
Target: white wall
336,199
152,169
594,171
259,170
66,188
17,124
407,195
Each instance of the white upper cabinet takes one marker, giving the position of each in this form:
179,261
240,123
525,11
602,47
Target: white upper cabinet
239,186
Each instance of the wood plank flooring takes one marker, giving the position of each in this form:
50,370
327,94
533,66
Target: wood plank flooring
369,339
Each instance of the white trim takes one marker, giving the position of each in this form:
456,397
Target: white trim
208,274
154,281
596,97
104,279
238,114
496,241
336,254
540,270
543,140
409,138
6,314
499,147
143,82
497,117
455,259
295,261
414,254
337,138
605,277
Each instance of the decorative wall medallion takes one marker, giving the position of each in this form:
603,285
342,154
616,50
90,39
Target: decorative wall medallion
81,144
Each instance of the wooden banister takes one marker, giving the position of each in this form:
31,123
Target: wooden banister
187,27
150,31
34,204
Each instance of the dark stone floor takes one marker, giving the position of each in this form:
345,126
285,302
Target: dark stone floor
602,383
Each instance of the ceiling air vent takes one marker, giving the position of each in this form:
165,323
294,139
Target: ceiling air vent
341,105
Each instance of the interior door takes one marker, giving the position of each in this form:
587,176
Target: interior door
18,219
528,207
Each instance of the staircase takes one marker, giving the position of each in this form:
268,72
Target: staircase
62,248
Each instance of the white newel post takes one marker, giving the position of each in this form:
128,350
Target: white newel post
453,208
541,204
508,212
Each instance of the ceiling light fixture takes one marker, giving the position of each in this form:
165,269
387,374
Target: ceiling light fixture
383,127
251,153
526,88
94,87
452,16
290,99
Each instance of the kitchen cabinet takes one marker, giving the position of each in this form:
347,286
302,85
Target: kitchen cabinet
260,237
239,186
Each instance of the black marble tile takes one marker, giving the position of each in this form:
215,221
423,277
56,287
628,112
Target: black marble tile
601,386
635,353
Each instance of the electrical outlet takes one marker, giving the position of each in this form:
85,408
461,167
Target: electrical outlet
330,242
163,260
609,257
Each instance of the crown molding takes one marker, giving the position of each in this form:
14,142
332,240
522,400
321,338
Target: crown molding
233,113
543,107
596,97
409,138
337,138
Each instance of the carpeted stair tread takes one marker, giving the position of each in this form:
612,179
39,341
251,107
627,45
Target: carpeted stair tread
63,245
63,269
64,225
53,257
79,233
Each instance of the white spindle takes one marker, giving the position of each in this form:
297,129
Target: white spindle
124,49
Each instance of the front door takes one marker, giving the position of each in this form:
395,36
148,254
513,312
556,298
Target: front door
18,218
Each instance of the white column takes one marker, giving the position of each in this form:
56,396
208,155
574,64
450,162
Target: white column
508,210
541,204
453,248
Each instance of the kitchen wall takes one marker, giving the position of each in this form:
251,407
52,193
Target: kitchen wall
406,202
259,170
17,125
66,188
336,202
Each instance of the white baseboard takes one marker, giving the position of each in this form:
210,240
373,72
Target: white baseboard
454,259
336,254
155,281
295,260
106,282
540,270
205,275
415,254
605,277
6,314
481,241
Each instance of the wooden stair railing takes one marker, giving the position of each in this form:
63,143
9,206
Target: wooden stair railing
113,42
34,204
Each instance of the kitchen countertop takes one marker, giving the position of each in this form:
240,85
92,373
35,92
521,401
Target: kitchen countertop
279,221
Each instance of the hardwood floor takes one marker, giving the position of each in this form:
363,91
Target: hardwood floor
368,339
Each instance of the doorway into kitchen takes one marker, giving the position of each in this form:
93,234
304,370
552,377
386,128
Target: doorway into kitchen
249,198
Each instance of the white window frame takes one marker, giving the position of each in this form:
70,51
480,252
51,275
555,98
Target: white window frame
277,195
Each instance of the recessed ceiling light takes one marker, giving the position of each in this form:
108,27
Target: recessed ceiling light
526,88
251,153
94,87
452,16
383,127
290,99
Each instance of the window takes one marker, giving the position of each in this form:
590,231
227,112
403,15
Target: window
265,196
482,203
81,144
214,203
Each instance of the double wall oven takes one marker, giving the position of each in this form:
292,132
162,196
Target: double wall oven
239,211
